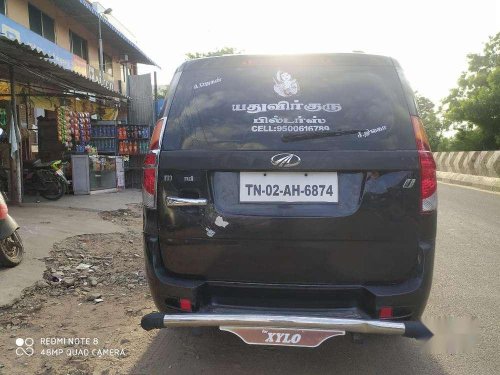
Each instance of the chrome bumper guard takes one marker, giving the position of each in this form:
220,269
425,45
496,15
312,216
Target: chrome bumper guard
413,329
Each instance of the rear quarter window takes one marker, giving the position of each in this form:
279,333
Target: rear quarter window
253,107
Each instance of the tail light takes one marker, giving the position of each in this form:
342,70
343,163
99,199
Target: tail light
185,305
149,176
4,210
154,144
428,182
385,312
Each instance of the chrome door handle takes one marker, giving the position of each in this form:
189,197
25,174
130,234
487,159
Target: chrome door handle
176,202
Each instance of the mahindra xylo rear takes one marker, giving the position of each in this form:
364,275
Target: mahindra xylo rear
290,198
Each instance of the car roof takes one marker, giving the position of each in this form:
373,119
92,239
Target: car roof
356,59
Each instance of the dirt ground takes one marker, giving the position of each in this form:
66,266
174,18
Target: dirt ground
94,289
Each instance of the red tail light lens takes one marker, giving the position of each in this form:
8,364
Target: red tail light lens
155,137
185,305
427,174
149,167
4,211
428,181
385,312
149,180
420,135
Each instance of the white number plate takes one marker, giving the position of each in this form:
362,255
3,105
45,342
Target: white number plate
309,338
289,187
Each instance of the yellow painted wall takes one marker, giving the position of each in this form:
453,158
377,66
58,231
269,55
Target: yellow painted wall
17,10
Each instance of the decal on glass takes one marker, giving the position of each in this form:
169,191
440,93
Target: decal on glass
285,85
207,83
369,132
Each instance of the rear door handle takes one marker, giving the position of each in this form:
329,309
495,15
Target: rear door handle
177,201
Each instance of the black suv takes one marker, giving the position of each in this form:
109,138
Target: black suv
290,195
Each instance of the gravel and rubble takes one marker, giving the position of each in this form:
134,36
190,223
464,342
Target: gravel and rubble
74,268
94,286
124,217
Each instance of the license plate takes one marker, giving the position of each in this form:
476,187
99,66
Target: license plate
310,338
289,187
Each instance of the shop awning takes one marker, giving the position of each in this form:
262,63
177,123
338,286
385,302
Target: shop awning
34,67
85,13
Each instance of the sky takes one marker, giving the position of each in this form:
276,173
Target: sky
429,38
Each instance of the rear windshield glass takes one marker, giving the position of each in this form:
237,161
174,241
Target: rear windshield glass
289,107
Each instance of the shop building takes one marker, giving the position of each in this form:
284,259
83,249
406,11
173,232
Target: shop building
62,95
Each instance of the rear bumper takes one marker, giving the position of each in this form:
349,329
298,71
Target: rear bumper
409,329
359,302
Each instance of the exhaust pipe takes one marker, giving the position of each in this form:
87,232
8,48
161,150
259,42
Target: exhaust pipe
152,321
412,329
417,330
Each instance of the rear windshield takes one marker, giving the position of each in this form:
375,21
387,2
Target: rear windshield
289,107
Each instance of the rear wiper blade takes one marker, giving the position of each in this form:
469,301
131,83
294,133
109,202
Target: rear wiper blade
293,137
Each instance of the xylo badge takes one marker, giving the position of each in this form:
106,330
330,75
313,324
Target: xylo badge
283,336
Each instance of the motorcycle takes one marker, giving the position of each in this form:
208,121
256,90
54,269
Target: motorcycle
46,179
11,246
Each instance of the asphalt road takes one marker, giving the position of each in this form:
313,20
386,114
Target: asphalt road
466,283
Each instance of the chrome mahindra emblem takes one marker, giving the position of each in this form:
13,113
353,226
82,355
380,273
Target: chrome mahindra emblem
285,160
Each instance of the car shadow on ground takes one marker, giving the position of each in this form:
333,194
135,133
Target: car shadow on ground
180,351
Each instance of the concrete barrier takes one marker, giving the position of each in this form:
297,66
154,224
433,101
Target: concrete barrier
479,169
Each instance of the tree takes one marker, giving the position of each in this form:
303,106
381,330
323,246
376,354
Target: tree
433,125
163,91
473,108
219,52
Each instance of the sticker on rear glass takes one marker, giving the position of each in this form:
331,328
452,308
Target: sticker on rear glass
285,124
284,120
285,85
369,132
199,85
284,105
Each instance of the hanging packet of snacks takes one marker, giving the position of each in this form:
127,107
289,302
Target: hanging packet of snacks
73,128
63,126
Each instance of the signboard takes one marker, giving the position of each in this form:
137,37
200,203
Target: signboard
15,31
95,75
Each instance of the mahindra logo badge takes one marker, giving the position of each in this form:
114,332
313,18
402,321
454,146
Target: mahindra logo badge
285,160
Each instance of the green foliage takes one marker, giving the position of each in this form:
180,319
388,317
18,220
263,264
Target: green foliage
163,91
433,125
473,108
219,52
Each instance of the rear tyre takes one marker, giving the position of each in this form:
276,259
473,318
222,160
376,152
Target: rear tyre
55,189
11,250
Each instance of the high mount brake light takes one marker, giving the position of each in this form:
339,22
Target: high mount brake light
149,175
428,182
